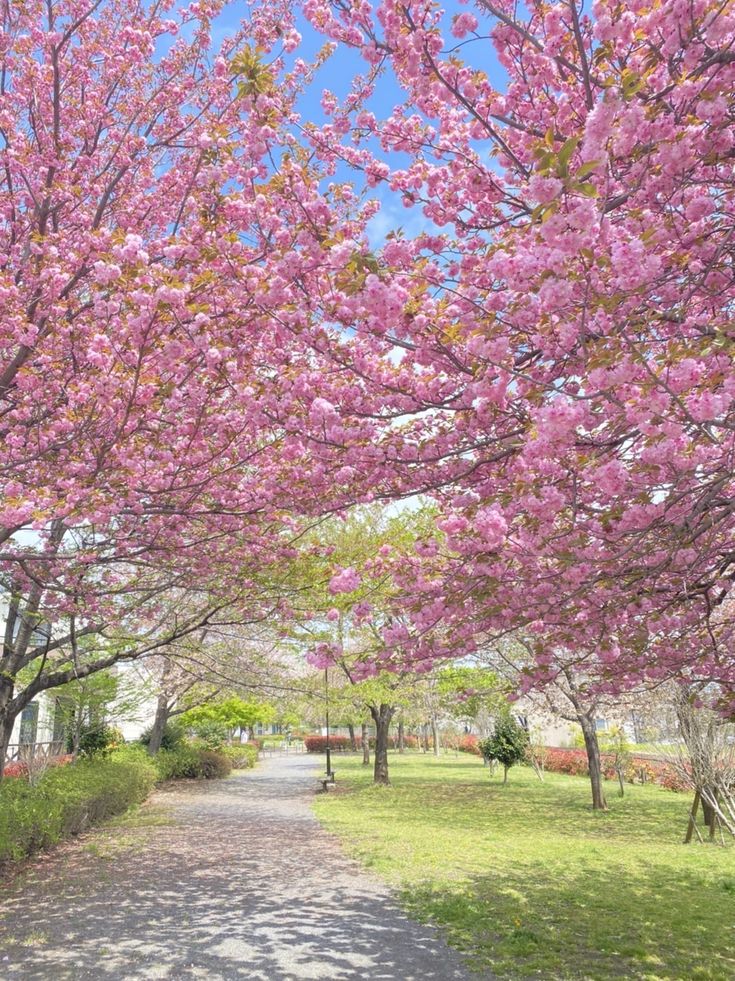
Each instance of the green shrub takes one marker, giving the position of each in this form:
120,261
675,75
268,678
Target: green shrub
97,740
213,765
212,734
507,745
66,800
177,764
189,762
241,756
172,738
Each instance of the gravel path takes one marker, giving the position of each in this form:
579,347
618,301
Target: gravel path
233,879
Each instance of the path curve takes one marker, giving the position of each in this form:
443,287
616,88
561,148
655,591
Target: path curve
241,883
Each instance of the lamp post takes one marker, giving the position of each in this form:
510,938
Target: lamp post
326,719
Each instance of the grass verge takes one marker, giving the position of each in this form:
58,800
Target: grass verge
529,883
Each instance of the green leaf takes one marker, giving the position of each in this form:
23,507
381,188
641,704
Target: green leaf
565,155
587,168
631,83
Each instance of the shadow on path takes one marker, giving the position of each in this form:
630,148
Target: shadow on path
243,883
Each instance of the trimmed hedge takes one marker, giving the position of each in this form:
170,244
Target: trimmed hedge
67,800
343,744
242,756
189,762
337,744
466,743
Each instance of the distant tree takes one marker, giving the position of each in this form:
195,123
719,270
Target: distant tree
507,744
230,713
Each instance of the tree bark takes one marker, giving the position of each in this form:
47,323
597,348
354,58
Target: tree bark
365,745
708,813
401,738
593,761
7,720
353,741
159,724
6,731
435,736
382,715
692,825
425,738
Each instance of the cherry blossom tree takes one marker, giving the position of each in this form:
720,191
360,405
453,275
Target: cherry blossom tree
165,254
555,348
201,353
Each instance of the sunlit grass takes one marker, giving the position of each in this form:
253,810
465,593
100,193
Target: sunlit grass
530,883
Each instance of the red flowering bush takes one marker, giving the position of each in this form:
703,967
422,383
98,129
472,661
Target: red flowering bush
16,770
464,743
409,742
21,769
318,744
469,744
671,780
570,761
637,770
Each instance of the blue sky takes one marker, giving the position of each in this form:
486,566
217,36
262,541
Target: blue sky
336,75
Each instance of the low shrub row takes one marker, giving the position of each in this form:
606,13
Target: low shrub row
242,756
191,762
635,770
68,799
467,743
22,769
343,744
318,744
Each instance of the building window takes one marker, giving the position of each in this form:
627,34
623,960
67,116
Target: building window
59,733
28,725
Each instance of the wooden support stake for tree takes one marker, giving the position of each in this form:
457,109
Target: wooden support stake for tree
714,820
693,820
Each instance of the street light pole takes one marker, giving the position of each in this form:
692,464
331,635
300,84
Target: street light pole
326,713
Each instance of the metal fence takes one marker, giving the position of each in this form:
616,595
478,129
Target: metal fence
282,749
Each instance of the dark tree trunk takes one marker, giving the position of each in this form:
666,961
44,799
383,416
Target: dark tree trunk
505,774
691,827
435,736
593,761
159,725
7,721
353,741
425,737
708,813
381,717
401,738
365,745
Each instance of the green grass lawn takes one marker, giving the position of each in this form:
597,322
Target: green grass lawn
528,882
